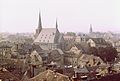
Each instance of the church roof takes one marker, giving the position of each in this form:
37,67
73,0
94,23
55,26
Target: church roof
46,35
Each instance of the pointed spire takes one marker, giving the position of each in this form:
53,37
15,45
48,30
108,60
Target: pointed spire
39,22
56,24
90,29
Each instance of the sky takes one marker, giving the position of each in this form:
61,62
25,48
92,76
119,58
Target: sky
72,15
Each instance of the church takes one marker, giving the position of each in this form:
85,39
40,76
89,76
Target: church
48,38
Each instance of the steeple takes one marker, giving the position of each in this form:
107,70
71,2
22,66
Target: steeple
38,30
39,22
56,24
90,31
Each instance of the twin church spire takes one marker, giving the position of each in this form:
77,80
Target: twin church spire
40,22
38,30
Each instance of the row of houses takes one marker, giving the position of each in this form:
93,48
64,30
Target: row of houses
57,52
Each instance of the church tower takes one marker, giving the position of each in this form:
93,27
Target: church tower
91,30
38,30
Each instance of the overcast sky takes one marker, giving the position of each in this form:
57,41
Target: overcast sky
72,15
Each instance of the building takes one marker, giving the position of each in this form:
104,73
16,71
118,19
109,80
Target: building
97,42
48,38
91,30
5,49
50,75
57,56
5,75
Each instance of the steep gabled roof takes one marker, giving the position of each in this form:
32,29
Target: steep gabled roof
99,41
49,75
46,35
83,46
5,74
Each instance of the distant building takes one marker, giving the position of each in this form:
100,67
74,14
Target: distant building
81,38
91,30
48,38
97,42
57,56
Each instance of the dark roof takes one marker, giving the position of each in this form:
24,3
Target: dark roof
5,74
37,48
81,70
99,41
83,46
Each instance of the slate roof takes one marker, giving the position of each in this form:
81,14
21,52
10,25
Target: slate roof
99,41
59,50
83,46
46,35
